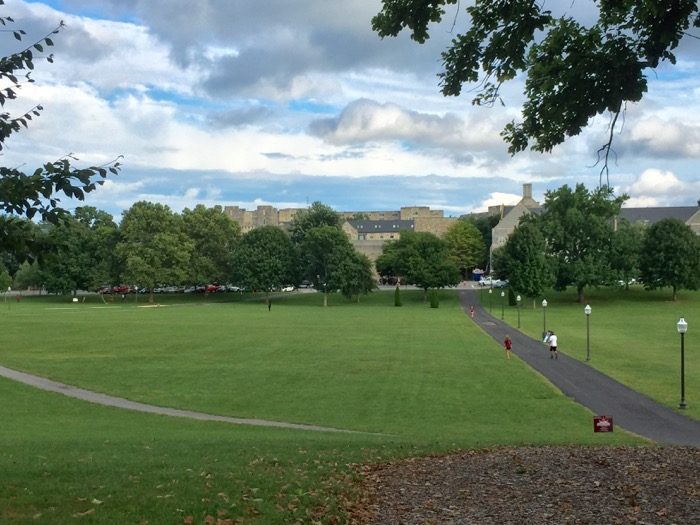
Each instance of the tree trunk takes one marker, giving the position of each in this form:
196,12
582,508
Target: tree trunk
674,294
579,291
150,296
325,299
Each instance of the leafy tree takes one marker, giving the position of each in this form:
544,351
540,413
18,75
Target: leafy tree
670,257
36,193
80,255
525,260
354,275
102,241
324,250
215,237
360,216
577,225
420,258
264,259
626,250
5,279
316,215
20,240
153,246
28,276
573,71
485,225
466,246
65,269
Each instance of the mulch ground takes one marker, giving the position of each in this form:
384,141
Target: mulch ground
545,485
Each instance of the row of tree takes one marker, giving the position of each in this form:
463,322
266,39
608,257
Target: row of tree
153,246
579,240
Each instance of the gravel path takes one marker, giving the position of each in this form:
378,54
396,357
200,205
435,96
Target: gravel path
119,402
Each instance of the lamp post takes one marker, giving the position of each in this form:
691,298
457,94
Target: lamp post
544,317
502,296
587,311
490,300
682,328
518,298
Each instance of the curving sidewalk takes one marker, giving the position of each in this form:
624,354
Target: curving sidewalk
603,395
119,402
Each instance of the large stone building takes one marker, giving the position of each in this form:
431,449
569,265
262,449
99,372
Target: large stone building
510,216
368,235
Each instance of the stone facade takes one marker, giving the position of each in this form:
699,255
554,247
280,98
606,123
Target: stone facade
248,220
425,219
510,219
511,215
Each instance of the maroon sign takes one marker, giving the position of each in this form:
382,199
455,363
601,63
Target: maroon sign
602,424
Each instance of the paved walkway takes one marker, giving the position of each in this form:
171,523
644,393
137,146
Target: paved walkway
601,394
119,402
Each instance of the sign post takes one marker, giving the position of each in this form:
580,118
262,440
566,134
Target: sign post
602,424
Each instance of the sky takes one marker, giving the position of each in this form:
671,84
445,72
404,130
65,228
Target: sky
236,102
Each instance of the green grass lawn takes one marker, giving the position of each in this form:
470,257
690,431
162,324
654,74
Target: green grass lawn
633,337
426,379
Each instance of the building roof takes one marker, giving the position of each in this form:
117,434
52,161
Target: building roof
367,226
653,215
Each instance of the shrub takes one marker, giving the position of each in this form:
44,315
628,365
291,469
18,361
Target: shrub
397,296
434,300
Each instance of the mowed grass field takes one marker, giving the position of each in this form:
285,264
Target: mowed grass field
410,380
633,337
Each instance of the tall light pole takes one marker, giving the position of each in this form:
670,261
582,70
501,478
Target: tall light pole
502,296
544,317
490,300
682,328
587,311
518,299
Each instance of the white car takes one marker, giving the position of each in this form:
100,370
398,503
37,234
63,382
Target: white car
289,288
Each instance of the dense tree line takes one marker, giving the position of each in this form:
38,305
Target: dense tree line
580,241
577,241
154,246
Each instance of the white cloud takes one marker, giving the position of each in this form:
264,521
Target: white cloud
304,91
366,120
498,199
655,187
661,137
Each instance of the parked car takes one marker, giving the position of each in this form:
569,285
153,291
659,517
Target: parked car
288,288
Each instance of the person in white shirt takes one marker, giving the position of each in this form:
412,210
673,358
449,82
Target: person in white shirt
553,354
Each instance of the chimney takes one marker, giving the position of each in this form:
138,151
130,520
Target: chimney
527,191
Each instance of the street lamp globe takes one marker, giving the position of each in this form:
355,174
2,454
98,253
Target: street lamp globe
682,326
518,298
544,303
587,309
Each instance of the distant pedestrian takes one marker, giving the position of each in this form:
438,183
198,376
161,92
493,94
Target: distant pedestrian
269,305
507,345
471,311
553,354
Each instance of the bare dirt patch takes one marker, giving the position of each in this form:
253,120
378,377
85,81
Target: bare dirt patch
544,485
